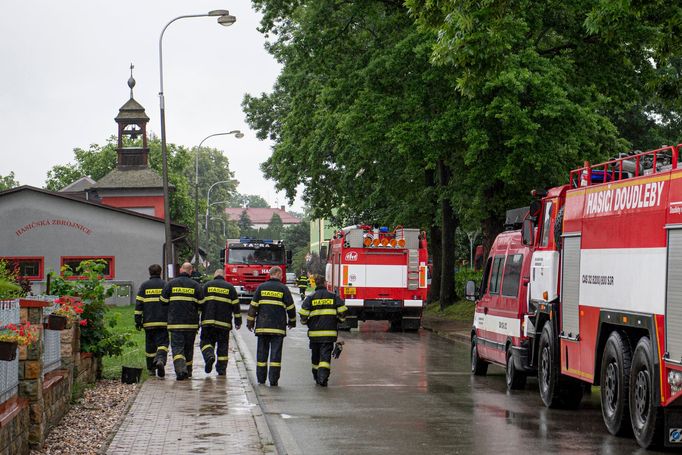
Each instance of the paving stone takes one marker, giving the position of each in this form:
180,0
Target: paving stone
206,414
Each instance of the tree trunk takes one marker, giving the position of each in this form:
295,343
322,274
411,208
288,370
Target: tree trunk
448,228
435,246
491,227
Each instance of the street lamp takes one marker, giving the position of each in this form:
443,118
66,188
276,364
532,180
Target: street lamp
208,196
224,18
222,221
238,134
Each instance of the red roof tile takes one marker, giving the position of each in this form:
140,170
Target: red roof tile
261,216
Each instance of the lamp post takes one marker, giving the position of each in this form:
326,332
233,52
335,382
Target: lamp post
208,197
222,221
225,19
238,134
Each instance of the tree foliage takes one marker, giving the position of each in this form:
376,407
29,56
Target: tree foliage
8,181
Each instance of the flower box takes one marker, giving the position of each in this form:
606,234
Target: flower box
8,350
56,322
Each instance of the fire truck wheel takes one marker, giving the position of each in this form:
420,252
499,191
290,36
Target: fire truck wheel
479,367
646,416
548,370
396,325
615,380
515,379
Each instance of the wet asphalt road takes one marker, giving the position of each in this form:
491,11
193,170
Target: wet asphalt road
409,393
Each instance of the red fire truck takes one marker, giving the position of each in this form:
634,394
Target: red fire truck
381,274
604,302
248,261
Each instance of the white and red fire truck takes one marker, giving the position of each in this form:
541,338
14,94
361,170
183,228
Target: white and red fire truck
381,274
248,262
600,302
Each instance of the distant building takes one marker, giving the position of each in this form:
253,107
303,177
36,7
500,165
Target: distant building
260,217
324,230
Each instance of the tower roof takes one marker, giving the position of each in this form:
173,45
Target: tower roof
131,110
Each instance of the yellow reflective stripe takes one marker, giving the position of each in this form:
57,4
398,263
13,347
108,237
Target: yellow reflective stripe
261,364
237,315
182,326
275,331
291,307
155,324
271,302
138,312
315,366
148,299
342,309
184,299
292,319
179,356
162,348
303,312
326,365
254,303
250,318
216,298
224,357
150,354
214,322
235,302
322,313
189,364
207,346
141,299
163,299
275,364
322,333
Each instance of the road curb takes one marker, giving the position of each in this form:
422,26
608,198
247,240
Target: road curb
262,426
270,429
459,337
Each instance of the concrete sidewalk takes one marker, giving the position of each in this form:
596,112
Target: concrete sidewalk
452,330
205,414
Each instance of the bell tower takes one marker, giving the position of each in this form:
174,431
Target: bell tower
132,123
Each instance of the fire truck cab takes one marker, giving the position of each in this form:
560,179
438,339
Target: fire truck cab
381,274
248,262
497,334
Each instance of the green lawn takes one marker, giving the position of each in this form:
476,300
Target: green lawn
133,356
462,310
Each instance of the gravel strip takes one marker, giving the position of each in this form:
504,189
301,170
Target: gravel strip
86,428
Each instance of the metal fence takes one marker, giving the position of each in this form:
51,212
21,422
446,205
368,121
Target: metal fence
52,346
9,371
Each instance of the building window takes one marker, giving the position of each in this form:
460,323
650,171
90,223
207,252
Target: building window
75,261
29,268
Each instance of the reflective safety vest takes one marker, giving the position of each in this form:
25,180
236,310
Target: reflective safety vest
321,312
302,281
272,307
148,303
221,302
183,296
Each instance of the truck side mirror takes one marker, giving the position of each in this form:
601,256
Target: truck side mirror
289,257
527,232
222,256
470,293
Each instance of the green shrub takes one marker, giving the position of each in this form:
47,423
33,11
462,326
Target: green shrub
462,276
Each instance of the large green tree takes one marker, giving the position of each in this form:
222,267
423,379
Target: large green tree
8,181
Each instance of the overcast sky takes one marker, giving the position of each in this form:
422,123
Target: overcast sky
65,65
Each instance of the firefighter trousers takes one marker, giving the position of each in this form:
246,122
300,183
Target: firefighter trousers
321,358
269,345
156,346
301,291
182,347
214,341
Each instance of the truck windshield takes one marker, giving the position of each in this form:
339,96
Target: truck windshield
270,256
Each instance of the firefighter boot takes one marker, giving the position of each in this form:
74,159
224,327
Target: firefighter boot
209,357
180,368
189,369
160,361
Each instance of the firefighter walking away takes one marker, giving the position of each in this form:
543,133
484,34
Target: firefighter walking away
221,305
183,296
152,315
321,312
272,310
302,283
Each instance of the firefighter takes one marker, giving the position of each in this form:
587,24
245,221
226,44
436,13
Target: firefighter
183,296
151,315
272,310
221,304
321,312
302,283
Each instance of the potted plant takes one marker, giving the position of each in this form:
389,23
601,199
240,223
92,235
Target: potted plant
69,310
12,336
